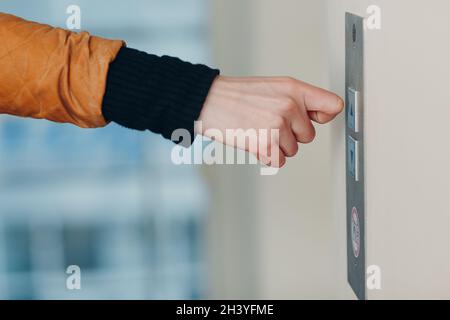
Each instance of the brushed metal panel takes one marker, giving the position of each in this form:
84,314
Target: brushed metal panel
354,82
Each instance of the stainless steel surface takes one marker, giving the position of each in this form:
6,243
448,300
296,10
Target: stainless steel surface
354,83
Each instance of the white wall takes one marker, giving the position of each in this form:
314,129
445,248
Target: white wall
231,229
296,259
271,237
285,236
407,153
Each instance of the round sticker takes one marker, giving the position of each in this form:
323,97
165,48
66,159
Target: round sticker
356,235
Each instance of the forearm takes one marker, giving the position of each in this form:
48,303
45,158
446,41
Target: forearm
88,81
85,80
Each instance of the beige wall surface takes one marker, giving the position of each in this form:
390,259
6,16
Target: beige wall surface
296,257
284,236
407,106
284,247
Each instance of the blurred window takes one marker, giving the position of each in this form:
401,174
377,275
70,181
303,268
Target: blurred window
108,200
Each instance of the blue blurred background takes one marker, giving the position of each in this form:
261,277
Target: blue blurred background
103,199
111,201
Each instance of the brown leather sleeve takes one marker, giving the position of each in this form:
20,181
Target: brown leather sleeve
52,73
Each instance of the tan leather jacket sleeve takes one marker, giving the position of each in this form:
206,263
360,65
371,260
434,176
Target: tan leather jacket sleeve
52,73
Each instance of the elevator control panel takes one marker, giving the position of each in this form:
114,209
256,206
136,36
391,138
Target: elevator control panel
354,137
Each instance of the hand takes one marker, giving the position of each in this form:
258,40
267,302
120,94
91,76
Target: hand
282,103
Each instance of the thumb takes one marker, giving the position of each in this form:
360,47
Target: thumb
322,105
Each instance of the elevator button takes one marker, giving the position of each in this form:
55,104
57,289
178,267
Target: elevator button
353,109
352,157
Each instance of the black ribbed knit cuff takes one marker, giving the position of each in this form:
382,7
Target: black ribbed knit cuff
161,94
